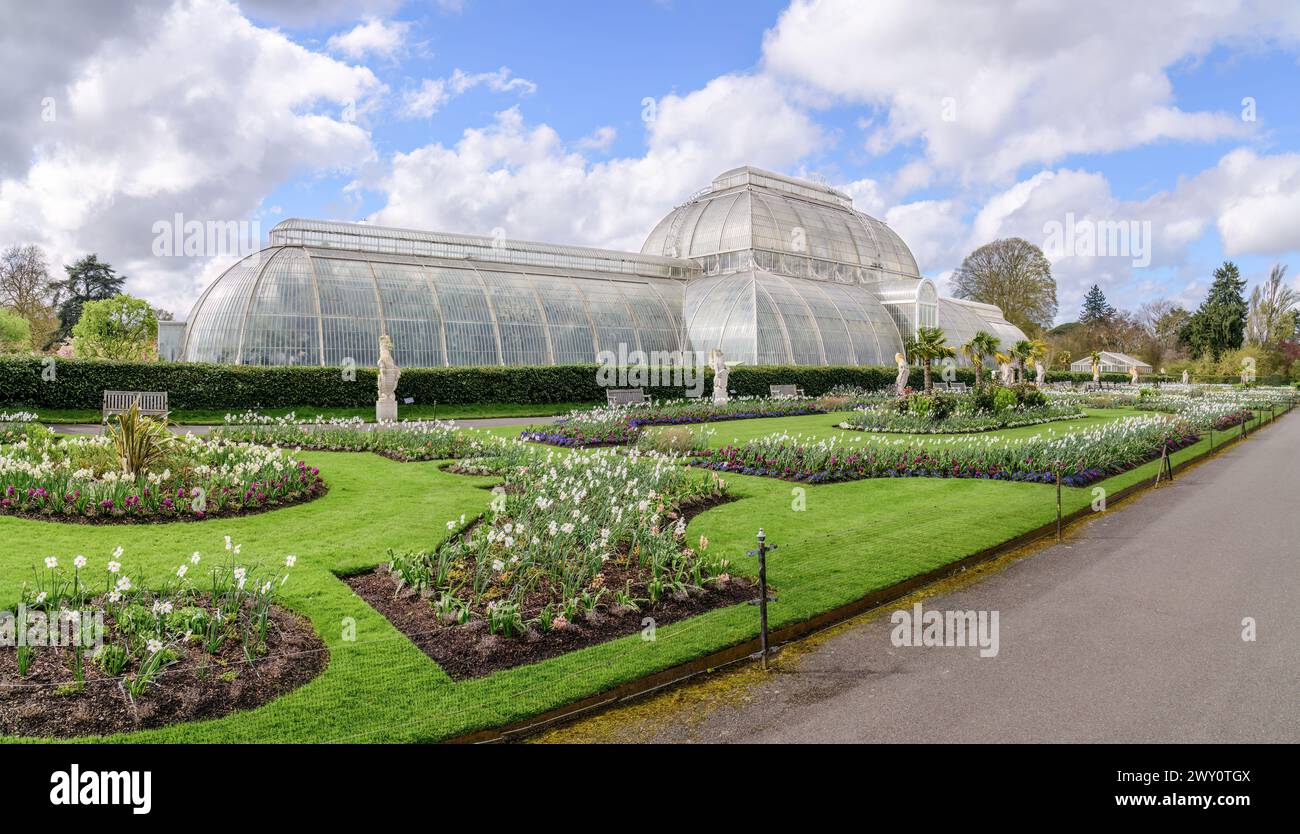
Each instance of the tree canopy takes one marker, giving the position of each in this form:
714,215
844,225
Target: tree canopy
1219,324
87,280
121,327
1014,275
1096,309
15,333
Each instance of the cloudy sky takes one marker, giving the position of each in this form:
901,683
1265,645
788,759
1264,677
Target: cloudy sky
585,122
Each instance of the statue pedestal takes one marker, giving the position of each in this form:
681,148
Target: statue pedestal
386,410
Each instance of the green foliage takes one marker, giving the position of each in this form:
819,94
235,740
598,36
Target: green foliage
81,383
140,442
121,327
1219,324
1013,274
1096,309
15,332
88,279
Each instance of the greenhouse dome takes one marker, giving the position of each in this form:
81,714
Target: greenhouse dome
771,269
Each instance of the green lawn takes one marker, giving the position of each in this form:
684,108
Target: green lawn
852,538
201,417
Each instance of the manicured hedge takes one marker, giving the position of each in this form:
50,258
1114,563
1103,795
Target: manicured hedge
43,382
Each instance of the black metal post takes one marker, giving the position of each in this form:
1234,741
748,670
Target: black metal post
1058,502
762,592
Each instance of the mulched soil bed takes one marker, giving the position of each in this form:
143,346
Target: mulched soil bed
469,651
156,518
34,705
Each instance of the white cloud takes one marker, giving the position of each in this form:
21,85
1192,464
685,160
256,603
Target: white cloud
598,140
427,99
201,113
525,179
986,92
373,37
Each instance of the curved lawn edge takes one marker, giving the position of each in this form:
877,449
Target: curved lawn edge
792,631
382,688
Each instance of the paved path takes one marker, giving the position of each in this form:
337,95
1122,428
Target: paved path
477,422
1129,631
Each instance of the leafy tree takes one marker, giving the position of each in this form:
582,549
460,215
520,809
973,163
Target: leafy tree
121,327
1014,275
928,346
1096,309
15,332
25,289
88,280
1064,358
1219,324
982,344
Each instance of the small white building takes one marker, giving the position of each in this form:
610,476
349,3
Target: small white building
1111,363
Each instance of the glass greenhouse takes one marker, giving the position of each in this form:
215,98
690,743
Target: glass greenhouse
771,269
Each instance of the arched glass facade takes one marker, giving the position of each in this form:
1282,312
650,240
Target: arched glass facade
771,269
297,305
761,318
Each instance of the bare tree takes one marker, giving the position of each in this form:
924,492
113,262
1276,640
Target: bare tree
1014,275
1272,315
25,288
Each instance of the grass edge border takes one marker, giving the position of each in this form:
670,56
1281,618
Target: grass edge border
683,672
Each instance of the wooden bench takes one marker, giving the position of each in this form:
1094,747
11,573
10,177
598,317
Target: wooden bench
626,396
150,403
784,391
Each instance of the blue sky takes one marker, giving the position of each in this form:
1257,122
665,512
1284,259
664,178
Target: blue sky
955,123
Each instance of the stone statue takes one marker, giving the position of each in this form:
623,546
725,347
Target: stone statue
1040,374
1096,374
720,374
1186,379
389,373
1133,374
900,382
1008,373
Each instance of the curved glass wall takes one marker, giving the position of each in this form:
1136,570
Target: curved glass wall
761,318
959,324
301,306
756,219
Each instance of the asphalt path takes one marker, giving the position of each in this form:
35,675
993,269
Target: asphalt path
1129,631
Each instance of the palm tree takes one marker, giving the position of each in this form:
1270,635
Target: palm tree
1020,353
1063,358
1038,352
982,344
1001,358
1096,366
928,346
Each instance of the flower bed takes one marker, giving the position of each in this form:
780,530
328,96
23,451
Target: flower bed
17,426
409,440
574,550
106,654
618,425
1082,457
81,479
884,420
